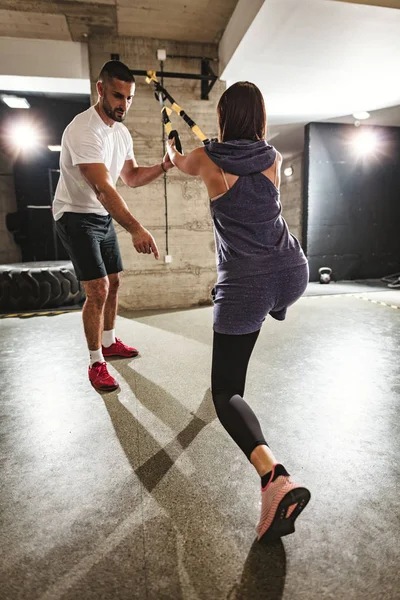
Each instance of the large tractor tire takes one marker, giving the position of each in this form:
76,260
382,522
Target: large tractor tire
36,285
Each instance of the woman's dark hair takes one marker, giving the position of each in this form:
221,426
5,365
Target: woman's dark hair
241,113
115,69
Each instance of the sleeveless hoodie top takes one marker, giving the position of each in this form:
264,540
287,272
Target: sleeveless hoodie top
251,236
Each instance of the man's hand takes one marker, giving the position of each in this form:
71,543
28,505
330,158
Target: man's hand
144,242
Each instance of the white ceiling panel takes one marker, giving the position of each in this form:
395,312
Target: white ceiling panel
316,59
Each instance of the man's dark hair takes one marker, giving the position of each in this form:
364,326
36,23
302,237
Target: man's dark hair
241,113
117,70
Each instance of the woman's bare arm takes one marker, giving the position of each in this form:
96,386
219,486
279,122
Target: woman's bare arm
190,164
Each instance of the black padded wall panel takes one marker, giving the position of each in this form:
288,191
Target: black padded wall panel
352,201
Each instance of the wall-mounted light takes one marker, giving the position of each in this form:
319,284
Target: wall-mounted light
24,137
54,148
365,142
288,172
15,102
360,116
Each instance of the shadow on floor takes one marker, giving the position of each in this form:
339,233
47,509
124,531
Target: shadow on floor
264,572
194,523
167,408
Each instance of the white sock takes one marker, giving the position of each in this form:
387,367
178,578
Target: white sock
96,356
108,338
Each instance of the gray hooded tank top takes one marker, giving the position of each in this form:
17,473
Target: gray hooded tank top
251,236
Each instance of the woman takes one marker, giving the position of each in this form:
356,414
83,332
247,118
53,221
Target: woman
261,270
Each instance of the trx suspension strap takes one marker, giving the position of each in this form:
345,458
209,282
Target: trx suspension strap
165,113
162,93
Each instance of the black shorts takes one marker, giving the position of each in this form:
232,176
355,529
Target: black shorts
91,243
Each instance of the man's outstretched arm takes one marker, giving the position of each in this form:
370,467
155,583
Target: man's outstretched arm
98,177
136,176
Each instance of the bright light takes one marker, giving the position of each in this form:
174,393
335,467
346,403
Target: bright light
54,148
360,116
24,137
15,102
365,142
288,171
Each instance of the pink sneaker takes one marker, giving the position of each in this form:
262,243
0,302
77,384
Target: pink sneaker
281,503
119,349
101,379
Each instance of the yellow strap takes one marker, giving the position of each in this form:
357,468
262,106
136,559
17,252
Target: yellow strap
151,76
176,108
168,127
197,131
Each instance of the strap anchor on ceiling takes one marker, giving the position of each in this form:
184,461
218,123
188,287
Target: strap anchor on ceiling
207,75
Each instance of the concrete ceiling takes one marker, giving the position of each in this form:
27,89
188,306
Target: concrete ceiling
76,20
316,60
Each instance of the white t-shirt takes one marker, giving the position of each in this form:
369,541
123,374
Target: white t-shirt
87,139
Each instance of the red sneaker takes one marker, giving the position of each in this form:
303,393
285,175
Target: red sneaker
101,379
119,349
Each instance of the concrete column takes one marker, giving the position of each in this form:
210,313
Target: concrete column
187,281
292,195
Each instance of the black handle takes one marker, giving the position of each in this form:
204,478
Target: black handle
174,134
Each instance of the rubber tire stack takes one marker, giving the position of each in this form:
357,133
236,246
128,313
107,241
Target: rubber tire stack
37,285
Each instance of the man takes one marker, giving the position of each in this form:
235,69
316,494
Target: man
97,149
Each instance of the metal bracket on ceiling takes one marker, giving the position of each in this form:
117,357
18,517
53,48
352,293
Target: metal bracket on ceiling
207,75
207,85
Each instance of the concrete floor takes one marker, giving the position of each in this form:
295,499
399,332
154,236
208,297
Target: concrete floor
140,493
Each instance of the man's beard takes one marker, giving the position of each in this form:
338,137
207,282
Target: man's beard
113,114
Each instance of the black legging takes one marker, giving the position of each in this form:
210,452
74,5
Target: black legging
231,355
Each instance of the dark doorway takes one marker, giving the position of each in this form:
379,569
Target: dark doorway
36,172
352,200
